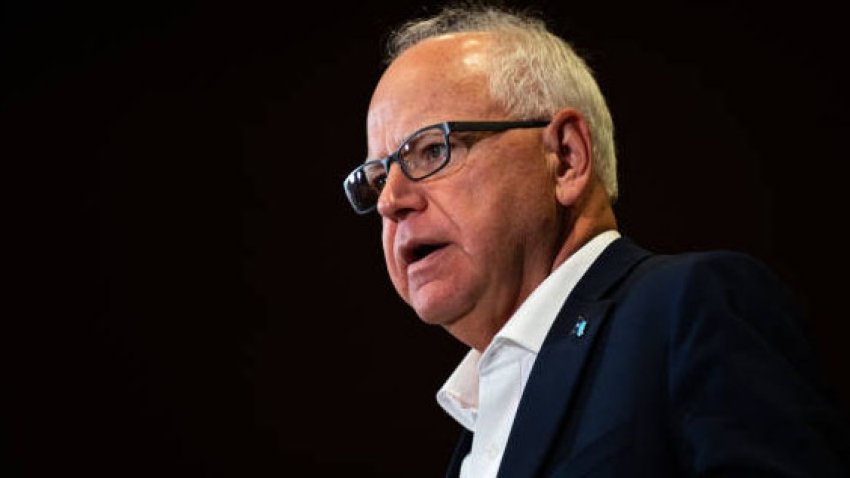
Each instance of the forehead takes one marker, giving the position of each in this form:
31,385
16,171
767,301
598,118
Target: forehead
440,79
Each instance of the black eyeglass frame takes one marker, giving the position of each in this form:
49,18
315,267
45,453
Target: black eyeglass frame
447,127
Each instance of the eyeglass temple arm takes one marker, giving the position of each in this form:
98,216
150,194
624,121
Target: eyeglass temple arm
494,125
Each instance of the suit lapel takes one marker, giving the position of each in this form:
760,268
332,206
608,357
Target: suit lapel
557,369
461,450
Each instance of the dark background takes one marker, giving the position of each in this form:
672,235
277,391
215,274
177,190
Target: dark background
202,301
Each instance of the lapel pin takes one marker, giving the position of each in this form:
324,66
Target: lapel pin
579,327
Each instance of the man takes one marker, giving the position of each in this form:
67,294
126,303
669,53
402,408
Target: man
493,170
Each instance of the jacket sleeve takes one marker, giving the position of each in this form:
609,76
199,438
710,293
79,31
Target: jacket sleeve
745,391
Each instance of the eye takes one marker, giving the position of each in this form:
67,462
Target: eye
435,151
378,183
375,176
425,154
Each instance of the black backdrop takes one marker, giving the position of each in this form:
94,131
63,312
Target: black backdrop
202,302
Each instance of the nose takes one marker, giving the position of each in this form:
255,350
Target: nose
400,196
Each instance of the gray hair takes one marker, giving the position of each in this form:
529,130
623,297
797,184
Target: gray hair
534,73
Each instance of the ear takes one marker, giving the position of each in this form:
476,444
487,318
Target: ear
567,140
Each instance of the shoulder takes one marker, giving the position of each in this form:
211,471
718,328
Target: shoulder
722,269
711,291
711,266
673,295
713,274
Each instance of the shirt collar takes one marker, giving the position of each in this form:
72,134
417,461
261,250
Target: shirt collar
533,319
527,328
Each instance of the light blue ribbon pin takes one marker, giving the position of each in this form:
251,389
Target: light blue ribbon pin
580,326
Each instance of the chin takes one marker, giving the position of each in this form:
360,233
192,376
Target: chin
441,309
435,319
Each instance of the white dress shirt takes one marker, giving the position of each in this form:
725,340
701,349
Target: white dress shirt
483,392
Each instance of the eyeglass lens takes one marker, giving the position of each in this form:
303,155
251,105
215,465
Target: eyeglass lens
419,156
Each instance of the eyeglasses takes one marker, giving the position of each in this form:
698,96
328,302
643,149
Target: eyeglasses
421,155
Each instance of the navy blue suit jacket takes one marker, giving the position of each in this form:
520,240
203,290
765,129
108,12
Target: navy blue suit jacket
688,365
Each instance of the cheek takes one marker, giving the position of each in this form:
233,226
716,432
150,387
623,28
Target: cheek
506,213
500,204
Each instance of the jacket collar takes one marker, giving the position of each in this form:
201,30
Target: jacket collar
557,369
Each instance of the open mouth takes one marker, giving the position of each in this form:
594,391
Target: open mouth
424,250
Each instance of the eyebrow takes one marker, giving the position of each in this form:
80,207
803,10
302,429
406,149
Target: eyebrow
398,142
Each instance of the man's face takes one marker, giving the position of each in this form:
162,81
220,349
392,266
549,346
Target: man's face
466,246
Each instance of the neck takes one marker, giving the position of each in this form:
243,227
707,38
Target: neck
581,223
590,219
